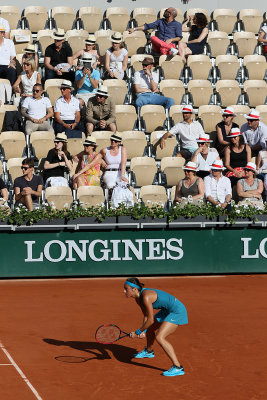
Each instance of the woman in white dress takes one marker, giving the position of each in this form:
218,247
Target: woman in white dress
26,80
116,58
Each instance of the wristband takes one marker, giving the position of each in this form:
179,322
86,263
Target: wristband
138,332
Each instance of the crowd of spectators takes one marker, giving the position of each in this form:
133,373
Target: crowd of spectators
214,174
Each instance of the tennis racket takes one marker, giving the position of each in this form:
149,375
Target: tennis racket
109,333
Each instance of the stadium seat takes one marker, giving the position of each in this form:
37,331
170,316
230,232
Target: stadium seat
76,38
172,88
245,42
44,39
52,89
210,116
252,19
42,142
135,143
136,61
172,67
153,195
226,19
90,196
144,170
60,196
118,18
75,145
201,91
228,66
200,66
11,14
91,18
169,148
13,144
36,17
263,112
135,42
125,117
218,42
153,116
179,17
229,91
102,139
144,15
256,91
172,169
192,11
21,37
256,66
14,168
240,111
176,113
3,109
64,17
117,90
103,40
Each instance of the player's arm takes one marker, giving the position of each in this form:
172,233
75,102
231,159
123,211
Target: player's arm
147,309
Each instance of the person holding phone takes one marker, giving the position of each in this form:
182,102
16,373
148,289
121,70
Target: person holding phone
86,79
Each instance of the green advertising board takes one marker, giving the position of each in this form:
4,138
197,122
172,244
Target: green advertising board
142,252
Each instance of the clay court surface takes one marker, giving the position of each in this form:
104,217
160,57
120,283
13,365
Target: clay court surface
49,352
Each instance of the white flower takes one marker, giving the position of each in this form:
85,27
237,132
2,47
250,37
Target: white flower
238,211
54,207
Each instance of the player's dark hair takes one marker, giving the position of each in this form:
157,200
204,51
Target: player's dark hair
136,282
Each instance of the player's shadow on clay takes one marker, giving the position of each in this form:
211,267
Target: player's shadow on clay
99,351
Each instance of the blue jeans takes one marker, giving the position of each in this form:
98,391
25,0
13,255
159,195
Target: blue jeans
153,98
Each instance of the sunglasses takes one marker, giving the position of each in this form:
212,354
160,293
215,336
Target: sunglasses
100,95
25,167
64,88
36,91
26,64
227,116
216,170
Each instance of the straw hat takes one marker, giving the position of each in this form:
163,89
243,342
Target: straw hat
234,132
116,136
90,140
229,111
187,109
66,84
251,167
102,91
190,166
204,138
148,61
59,34
61,137
30,49
253,114
2,28
218,164
90,40
116,37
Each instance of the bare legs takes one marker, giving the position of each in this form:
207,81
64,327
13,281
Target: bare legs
90,128
184,50
163,331
26,200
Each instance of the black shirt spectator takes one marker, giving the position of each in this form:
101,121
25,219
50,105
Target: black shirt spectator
58,57
22,183
53,158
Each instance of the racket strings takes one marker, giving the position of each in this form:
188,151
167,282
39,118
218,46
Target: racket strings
108,334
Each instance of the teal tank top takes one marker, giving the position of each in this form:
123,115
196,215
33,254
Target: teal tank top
165,301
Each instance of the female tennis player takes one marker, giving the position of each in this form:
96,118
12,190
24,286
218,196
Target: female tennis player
159,326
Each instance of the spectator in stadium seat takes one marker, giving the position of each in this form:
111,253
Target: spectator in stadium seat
223,129
188,131
30,52
3,193
7,58
90,49
237,155
26,81
169,32
37,111
218,189
146,86
86,79
204,156
116,58
250,188
191,188
262,38
100,112
5,24
67,112
28,187
58,58
58,160
254,132
197,38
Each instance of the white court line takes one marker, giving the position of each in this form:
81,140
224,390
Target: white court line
38,397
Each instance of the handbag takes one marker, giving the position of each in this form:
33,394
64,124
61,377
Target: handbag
122,195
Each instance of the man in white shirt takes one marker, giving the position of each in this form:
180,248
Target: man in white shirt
188,132
5,24
7,58
67,112
254,132
37,110
218,190
146,86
